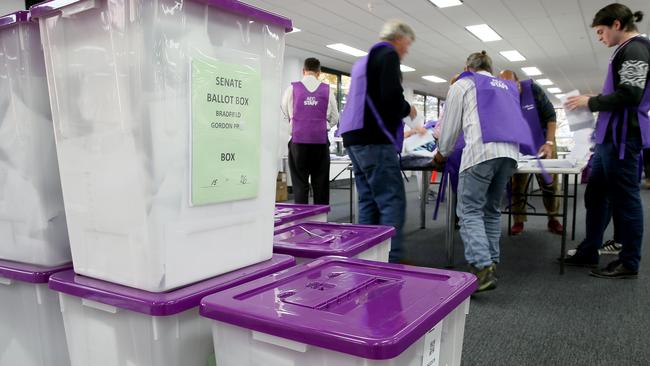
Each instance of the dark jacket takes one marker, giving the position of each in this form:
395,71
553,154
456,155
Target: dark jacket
386,92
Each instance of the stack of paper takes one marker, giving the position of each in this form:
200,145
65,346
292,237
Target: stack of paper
548,163
580,118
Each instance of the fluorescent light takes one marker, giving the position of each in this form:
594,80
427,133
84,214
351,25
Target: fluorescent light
559,96
446,3
295,30
347,49
405,68
544,82
554,90
531,71
483,32
434,79
513,56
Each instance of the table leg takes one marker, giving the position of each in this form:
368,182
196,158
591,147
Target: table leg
565,201
355,200
449,235
510,209
575,204
352,188
423,198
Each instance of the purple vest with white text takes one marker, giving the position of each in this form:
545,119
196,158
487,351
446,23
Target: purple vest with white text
309,120
500,113
530,112
605,118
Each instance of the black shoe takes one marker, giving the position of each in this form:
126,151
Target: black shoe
614,270
578,261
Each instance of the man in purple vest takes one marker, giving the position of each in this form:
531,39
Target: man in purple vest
540,115
310,107
373,131
622,130
487,111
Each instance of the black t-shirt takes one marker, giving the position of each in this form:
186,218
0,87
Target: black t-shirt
386,92
631,74
545,108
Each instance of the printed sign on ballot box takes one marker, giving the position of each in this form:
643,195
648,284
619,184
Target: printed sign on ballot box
225,138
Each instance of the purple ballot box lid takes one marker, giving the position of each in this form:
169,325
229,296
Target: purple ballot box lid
51,7
288,212
14,18
29,272
164,303
318,239
367,309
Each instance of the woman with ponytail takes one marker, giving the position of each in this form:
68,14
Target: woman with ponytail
622,130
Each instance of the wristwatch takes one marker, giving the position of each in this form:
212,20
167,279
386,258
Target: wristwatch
550,143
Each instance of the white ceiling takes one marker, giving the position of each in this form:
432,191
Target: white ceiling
553,35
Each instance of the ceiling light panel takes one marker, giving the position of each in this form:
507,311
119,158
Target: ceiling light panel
513,56
484,32
434,79
531,71
446,3
347,49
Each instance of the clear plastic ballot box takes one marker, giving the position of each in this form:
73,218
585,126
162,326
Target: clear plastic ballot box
310,240
343,311
31,325
287,214
114,325
163,112
32,217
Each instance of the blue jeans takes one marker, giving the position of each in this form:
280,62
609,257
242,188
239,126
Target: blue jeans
382,199
613,191
480,190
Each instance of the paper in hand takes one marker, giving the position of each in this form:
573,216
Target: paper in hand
579,118
415,122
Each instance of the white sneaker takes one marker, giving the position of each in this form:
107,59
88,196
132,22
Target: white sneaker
609,248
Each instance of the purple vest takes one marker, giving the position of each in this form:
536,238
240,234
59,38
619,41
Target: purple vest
309,120
500,112
530,112
352,116
604,118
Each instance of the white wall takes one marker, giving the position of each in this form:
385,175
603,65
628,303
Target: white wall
11,6
292,71
408,93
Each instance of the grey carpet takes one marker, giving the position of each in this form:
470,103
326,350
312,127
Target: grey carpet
536,316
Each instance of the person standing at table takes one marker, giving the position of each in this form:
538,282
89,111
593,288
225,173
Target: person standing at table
494,133
540,115
311,108
622,130
373,131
